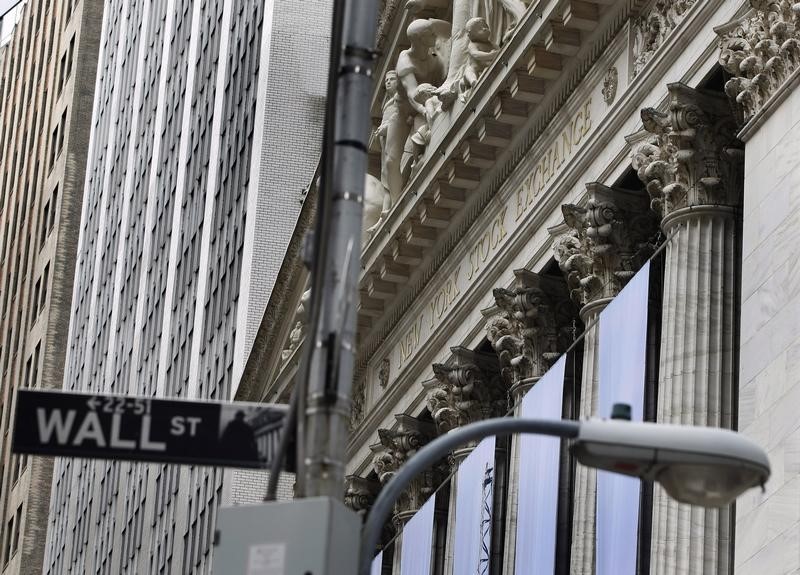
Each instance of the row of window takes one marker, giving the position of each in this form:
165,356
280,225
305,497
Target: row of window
12,535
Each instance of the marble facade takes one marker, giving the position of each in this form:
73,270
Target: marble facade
596,132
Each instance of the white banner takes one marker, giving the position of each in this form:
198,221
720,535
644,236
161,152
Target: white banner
377,565
474,507
622,357
416,545
537,507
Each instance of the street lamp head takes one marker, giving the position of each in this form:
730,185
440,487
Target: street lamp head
698,465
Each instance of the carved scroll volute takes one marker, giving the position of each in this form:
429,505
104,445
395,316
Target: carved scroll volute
465,390
522,326
690,155
604,242
360,493
760,51
398,445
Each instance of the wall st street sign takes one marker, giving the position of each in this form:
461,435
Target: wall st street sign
146,429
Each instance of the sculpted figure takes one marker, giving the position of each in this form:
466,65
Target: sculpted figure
376,207
481,52
502,17
419,64
390,113
421,127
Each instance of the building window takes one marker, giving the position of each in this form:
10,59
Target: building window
62,129
70,54
44,224
35,375
45,278
53,142
35,300
9,538
62,72
17,527
53,207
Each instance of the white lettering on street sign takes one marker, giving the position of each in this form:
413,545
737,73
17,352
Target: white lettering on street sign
54,422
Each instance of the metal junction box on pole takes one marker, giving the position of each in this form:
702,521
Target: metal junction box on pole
314,536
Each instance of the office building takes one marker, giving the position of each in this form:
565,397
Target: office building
47,77
204,135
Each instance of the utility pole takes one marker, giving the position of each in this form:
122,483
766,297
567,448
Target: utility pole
324,408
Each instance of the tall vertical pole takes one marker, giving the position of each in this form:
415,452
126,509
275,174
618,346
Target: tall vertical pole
327,404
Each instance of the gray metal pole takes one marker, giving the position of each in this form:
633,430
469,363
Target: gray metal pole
327,403
433,452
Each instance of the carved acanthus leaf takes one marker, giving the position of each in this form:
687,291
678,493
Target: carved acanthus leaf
465,390
688,156
523,326
761,50
651,29
360,493
606,242
398,445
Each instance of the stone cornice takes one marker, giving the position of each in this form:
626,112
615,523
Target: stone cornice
465,120
264,362
761,50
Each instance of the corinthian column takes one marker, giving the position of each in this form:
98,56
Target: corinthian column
690,166
599,248
528,327
465,390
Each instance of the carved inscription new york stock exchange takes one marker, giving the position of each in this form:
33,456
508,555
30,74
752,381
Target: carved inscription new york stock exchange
481,250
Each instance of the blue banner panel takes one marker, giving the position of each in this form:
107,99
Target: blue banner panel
416,546
474,497
622,357
537,508
377,565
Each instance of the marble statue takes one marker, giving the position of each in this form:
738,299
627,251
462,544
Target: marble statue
376,208
390,113
422,63
502,17
294,341
420,128
481,51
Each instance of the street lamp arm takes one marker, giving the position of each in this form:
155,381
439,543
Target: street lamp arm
432,453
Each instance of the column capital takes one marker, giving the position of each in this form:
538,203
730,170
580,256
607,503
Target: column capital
360,493
760,50
603,241
688,156
527,325
395,447
465,390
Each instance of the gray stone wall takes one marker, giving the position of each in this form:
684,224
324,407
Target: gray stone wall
768,524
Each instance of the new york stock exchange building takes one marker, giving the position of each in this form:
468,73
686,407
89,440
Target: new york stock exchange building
561,191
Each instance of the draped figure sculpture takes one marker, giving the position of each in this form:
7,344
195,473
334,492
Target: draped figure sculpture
422,63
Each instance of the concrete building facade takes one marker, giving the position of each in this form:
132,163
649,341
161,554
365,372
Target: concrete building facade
49,59
204,135
527,190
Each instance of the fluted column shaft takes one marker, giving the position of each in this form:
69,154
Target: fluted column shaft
696,376
449,558
509,553
582,551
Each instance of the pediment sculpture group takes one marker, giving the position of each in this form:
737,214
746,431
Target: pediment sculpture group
444,61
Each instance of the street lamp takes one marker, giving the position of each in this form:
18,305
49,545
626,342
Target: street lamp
697,465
